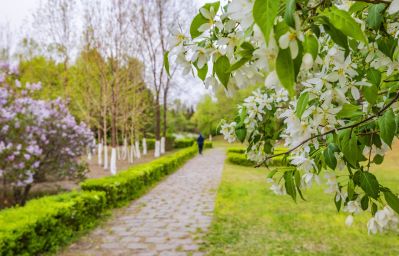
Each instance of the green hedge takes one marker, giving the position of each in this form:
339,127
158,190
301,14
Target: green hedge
184,143
237,150
237,156
129,184
44,224
208,144
239,159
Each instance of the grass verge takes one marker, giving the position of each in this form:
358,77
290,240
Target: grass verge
250,220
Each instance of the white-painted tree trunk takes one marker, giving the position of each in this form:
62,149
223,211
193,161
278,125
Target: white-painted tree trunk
157,151
210,137
125,149
89,155
137,144
113,161
131,154
105,157
99,153
162,145
144,146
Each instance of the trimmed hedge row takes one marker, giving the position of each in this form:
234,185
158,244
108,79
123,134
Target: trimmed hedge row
237,150
44,224
184,143
130,184
239,159
237,156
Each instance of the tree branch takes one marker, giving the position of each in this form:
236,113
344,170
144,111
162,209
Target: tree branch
335,130
373,1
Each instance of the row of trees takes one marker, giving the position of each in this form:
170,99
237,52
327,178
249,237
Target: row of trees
106,59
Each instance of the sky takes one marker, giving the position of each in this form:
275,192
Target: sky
17,13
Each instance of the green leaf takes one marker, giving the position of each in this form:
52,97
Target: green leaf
280,29
297,176
311,45
337,203
272,173
329,156
302,104
337,36
351,189
364,202
387,124
374,76
392,200
195,24
239,64
374,209
202,72
290,184
375,15
290,8
357,7
378,159
387,45
285,70
200,20
222,67
370,93
264,12
351,150
344,22
349,111
369,184
166,62
241,133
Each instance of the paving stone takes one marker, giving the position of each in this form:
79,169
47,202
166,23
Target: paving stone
168,220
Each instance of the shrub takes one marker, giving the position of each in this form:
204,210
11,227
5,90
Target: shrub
184,143
150,144
238,156
239,159
237,150
44,224
37,138
129,184
208,144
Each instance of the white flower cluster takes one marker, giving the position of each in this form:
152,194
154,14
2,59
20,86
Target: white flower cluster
228,131
384,219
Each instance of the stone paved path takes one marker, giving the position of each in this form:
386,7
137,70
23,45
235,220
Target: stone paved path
169,220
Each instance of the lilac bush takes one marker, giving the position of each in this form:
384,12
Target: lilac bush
38,139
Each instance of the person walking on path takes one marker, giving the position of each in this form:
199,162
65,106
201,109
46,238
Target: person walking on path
200,142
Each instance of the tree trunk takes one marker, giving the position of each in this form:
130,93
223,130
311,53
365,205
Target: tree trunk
157,119
113,132
165,110
100,146
157,151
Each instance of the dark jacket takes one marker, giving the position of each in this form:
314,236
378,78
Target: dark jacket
200,139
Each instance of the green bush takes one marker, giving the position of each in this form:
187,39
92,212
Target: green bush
184,143
150,144
239,159
236,150
129,184
208,144
44,224
238,156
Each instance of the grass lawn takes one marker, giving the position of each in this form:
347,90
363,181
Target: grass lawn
251,220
